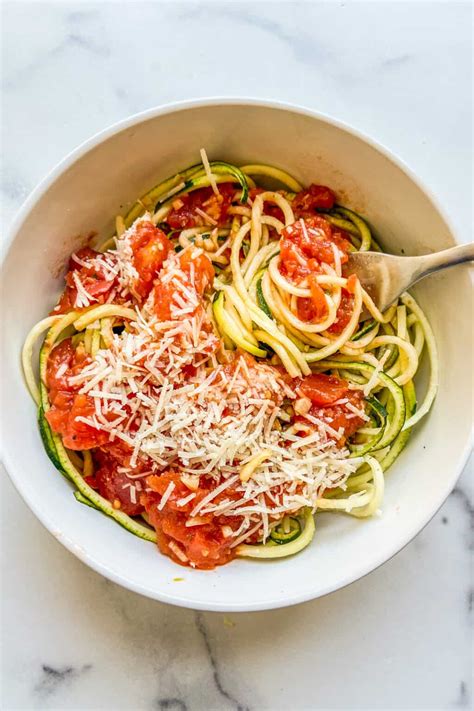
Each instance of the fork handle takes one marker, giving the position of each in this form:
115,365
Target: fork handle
429,263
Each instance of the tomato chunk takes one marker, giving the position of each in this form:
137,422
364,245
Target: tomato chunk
308,243
150,249
89,267
293,264
114,485
198,274
62,417
159,484
187,208
323,389
316,197
314,309
163,298
67,404
64,361
200,542
340,417
198,268
344,312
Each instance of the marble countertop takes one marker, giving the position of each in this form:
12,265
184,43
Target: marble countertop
401,637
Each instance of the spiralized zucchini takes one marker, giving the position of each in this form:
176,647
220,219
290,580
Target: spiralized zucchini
254,308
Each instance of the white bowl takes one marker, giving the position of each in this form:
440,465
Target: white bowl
96,182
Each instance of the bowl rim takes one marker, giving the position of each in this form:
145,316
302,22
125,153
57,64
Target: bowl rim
15,225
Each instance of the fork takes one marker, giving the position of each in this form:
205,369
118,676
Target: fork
385,277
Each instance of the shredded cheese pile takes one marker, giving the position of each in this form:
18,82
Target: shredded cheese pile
160,389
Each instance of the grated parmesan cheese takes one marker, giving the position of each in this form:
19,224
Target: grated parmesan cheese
209,173
208,425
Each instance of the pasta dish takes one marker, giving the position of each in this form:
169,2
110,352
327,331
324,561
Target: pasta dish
211,377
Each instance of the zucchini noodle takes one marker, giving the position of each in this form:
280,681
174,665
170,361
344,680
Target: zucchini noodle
429,339
272,172
275,289
27,354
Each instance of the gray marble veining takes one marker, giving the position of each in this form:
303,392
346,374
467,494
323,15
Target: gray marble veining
52,679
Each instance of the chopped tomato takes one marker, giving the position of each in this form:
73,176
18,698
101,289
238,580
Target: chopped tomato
67,404
187,208
150,248
305,309
159,484
62,417
58,414
202,545
344,312
64,361
198,271
162,299
114,485
316,197
308,243
342,240
340,417
201,267
63,358
94,277
304,246
351,283
292,262
120,450
323,389
315,238
314,309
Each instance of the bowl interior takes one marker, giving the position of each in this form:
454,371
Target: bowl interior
99,182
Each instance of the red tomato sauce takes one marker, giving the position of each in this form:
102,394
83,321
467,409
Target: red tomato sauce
67,404
204,545
308,243
339,417
316,197
95,280
343,313
314,309
185,212
324,391
150,249
114,484
304,246
203,273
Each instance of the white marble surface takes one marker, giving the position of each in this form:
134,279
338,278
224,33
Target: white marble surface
398,639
